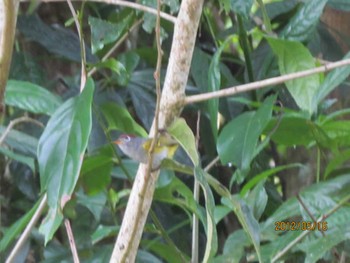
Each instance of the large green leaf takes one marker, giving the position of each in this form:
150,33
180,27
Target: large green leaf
294,57
237,143
304,22
31,97
292,130
60,154
332,80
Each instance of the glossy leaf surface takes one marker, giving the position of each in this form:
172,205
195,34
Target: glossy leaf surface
60,154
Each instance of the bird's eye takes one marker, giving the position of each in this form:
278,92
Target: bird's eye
127,138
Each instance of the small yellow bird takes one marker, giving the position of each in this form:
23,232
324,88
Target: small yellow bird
137,148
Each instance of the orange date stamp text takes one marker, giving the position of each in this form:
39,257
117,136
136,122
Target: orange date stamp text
300,225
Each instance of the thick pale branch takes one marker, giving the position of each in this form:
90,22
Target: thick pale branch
173,93
121,3
8,18
264,83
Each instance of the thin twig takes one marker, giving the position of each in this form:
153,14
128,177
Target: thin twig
17,121
211,164
82,46
133,5
195,222
72,245
117,44
264,83
22,239
308,211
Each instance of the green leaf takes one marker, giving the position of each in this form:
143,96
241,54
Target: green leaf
104,32
304,22
336,187
242,7
177,193
95,173
212,239
200,68
130,60
20,141
184,136
332,80
294,57
113,65
292,130
56,39
31,97
16,228
214,82
315,249
118,118
234,245
338,132
257,200
336,161
60,154
237,143
246,218
50,223
18,157
262,176
102,232
95,203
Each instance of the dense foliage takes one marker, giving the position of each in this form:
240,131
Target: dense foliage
283,150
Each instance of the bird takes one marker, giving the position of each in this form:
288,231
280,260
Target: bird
137,148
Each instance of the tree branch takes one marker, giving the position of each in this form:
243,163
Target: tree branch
8,18
264,83
171,104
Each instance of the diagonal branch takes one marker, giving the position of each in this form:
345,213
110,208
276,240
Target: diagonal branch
264,83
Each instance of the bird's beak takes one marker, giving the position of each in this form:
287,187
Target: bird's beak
117,142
